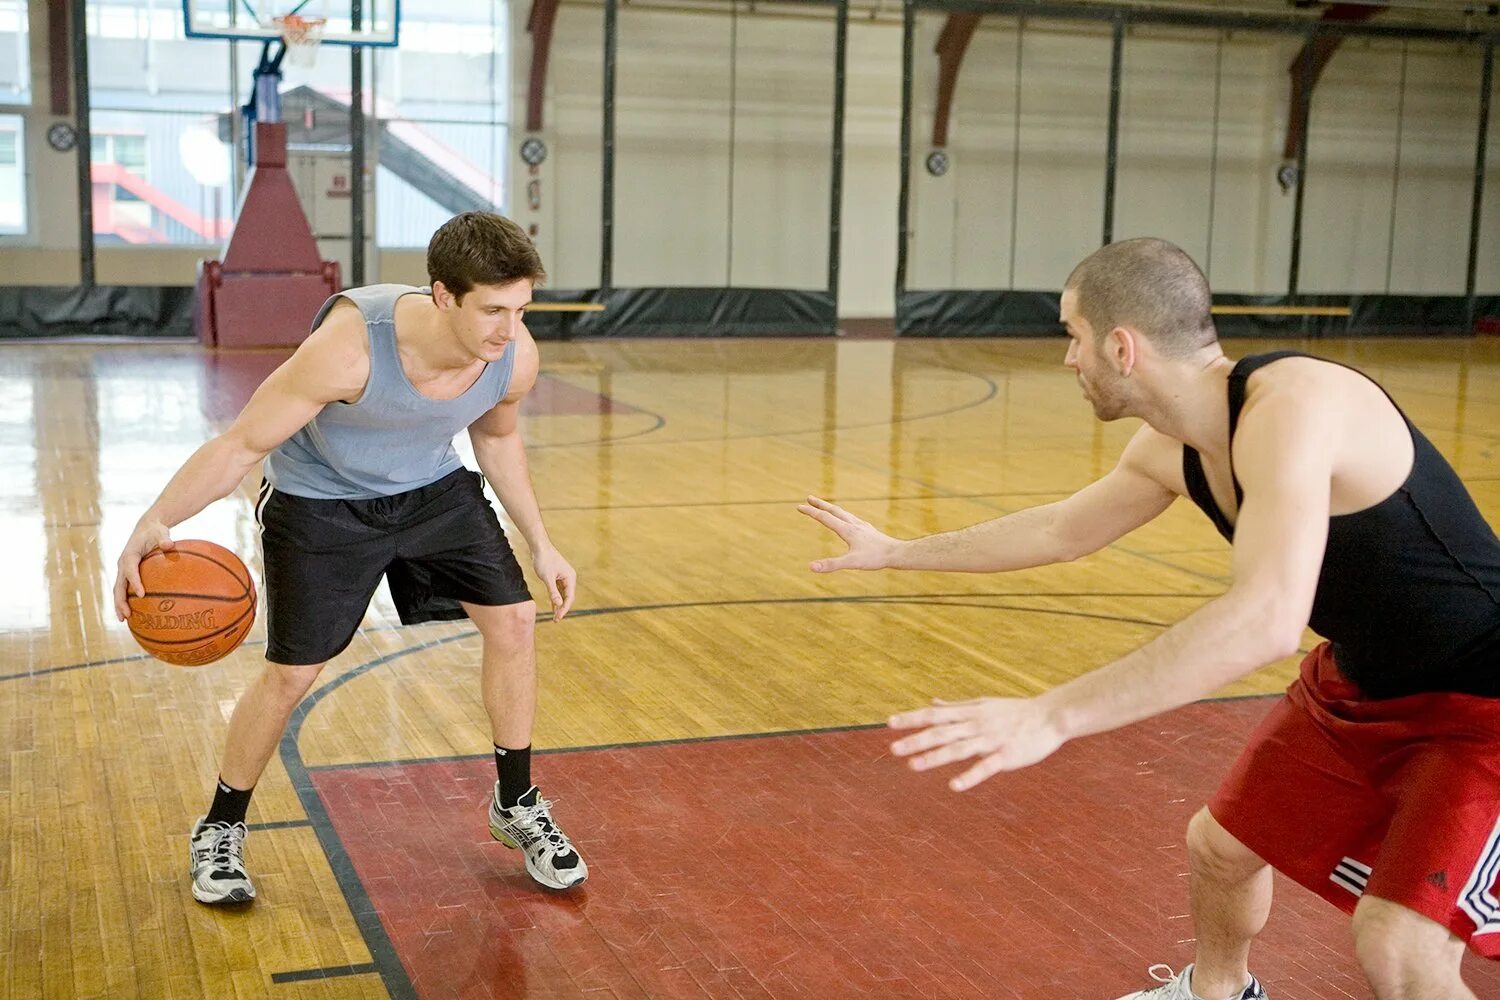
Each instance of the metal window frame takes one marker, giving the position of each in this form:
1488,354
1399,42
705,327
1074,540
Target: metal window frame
836,158
1122,17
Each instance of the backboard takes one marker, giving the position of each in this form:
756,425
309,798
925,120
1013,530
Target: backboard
255,19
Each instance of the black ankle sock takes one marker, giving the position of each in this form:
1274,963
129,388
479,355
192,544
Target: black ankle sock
230,804
514,767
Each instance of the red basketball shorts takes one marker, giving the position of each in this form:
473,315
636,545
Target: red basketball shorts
1398,798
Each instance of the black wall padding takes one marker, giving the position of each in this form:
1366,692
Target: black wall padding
101,311
985,313
141,311
689,312
976,313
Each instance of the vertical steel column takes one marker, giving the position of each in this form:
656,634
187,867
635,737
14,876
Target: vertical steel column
84,148
836,167
734,78
607,181
356,152
1486,84
1213,164
1015,154
1294,270
1390,238
1112,147
903,200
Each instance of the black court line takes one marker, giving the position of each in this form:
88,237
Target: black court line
1040,611
878,599
764,734
385,960
660,423
595,747
854,727
544,617
285,824
26,674
327,972
793,501
991,393
135,658
941,493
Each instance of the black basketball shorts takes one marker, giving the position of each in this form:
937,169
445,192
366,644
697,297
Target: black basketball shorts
436,546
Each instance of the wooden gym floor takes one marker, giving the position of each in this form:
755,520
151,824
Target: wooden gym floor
708,712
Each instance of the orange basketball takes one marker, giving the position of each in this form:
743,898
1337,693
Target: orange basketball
199,603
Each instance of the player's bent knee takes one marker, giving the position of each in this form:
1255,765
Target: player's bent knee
291,682
1215,852
508,625
1404,955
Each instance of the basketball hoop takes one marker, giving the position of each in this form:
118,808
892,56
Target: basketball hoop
301,35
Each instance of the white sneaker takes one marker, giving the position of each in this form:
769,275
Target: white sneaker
217,852
1178,987
551,858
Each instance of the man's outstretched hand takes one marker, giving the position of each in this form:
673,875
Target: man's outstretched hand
1006,734
869,548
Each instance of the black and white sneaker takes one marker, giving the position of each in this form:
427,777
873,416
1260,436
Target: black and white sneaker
217,851
551,859
1179,986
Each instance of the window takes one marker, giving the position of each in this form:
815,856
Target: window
438,110
12,175
15,53
150,86
129,151
443,111
15,95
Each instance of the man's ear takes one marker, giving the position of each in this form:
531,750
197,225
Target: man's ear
1123,347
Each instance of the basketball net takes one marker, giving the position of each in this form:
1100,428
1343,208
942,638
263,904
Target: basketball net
301,35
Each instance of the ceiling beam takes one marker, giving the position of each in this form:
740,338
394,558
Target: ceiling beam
952,43
1316,53
539,24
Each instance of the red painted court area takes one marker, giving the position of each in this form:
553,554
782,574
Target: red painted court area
818,866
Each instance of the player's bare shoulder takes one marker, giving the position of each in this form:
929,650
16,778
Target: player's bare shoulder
1313,407
1296,375
1309,395
334,361
1156,456
524,368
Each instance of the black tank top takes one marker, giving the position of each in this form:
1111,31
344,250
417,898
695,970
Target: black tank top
1409,592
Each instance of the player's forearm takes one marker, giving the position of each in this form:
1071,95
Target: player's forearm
211,473
1220,642
1016,541
502,459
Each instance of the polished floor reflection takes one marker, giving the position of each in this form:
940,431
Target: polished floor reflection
669,474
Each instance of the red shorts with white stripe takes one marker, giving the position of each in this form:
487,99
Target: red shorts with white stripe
1398,798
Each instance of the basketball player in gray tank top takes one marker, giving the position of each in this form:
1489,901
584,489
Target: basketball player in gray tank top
361,481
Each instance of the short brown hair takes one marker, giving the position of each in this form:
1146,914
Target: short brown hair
481,248
1151,286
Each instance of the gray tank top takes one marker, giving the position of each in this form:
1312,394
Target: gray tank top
392,439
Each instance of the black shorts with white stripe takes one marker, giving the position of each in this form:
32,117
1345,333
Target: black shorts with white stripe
437,546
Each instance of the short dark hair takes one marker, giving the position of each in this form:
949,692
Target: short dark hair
481,248
1151,286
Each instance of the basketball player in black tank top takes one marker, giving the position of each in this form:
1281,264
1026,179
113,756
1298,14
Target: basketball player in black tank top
1343,517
